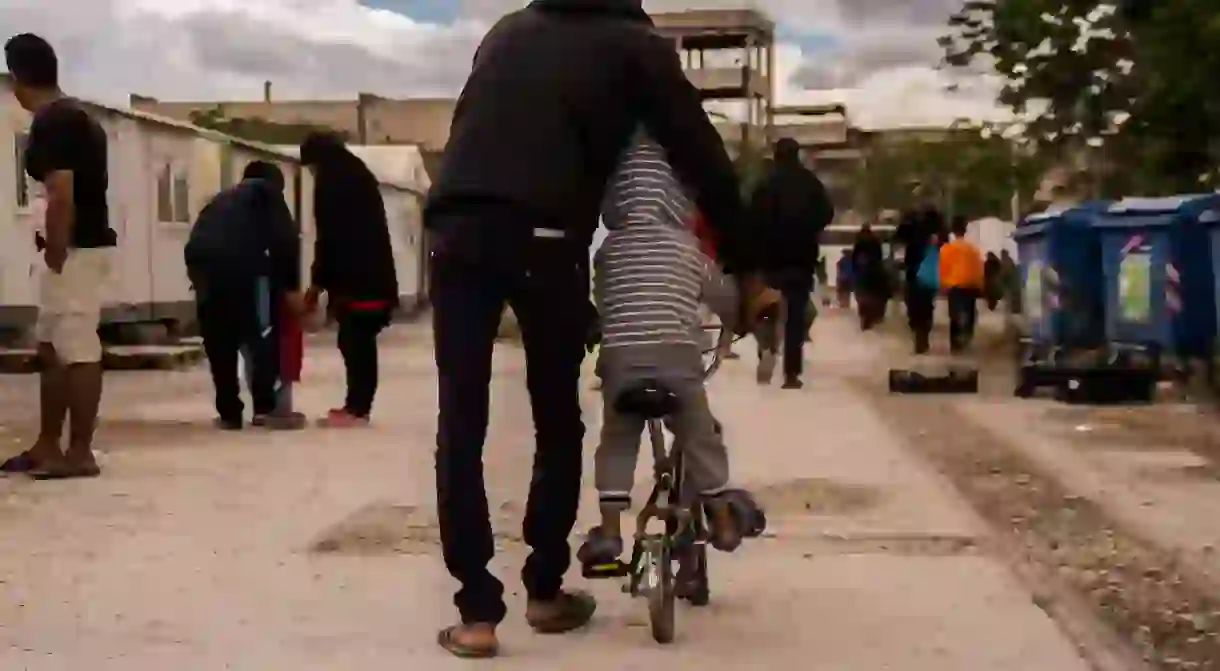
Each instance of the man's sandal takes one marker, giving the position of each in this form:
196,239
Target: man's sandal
447,639
20,464
65,471
574,610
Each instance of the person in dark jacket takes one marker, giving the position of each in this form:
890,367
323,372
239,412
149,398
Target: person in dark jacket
243,260
353,264
918,227
790,208
992,281
555,92
871,276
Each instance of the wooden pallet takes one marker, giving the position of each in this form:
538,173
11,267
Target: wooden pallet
117,357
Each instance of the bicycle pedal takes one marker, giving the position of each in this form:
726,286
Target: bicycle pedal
607,571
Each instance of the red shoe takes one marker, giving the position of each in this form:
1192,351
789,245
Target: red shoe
342,419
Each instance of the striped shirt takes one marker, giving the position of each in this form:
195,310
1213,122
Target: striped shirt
650,272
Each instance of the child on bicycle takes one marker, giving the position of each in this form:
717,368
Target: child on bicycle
651,278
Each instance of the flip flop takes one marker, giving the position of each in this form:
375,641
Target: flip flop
22,463
62,471
575,610
449,642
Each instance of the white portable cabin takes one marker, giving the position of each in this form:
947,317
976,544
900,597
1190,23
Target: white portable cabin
162,173
19,260
404,182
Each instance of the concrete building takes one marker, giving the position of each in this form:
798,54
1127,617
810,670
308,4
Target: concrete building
729,55
704,39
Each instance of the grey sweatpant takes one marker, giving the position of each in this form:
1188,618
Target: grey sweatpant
680,369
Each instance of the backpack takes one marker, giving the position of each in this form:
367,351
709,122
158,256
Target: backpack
928,274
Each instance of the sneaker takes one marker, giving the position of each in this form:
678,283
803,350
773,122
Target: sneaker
793,383
227,424
766,367
599,549
289,421
342,420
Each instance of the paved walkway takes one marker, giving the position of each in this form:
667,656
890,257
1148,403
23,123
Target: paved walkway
317,550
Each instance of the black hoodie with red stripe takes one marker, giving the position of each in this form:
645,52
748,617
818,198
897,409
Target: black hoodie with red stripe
353,258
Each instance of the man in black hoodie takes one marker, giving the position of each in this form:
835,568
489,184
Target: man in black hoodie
243,238
920,227
353,263
790,209
555,91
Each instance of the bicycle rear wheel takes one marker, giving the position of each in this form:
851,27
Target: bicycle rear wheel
661,594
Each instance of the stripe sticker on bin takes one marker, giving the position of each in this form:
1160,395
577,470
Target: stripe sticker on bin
1173,288
1052,288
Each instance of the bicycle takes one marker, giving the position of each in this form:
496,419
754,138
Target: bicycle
685,534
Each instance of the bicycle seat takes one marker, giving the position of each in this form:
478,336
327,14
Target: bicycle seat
649,399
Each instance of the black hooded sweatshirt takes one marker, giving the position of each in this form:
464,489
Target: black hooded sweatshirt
790,209
353,258
245,232
555,92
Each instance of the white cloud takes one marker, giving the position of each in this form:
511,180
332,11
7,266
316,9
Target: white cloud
193,49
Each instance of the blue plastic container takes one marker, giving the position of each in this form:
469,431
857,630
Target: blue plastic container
1061,277
1160,283
1212,220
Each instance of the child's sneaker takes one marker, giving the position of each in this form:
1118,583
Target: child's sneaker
342,419
600,554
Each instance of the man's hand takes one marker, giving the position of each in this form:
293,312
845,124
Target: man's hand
756,299
55,256
309,302
296,303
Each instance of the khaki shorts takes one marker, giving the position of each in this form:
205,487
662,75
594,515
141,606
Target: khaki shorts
70,309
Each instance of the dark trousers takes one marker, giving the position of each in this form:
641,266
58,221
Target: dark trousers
358,331
963,315
795,286
921,306
547,286
230,320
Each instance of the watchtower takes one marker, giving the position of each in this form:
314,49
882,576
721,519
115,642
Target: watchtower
744,72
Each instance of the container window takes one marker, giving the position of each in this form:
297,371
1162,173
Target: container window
23,180
182,197
165,196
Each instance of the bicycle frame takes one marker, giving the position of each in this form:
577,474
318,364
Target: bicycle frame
676,510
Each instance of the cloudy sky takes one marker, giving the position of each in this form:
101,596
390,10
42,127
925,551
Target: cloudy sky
878,55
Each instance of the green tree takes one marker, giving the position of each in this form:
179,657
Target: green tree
256,129
1131,92
973,171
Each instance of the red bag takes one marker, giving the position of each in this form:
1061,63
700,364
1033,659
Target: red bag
707,238
292,346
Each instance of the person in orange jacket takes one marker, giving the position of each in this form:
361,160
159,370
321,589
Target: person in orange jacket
961,278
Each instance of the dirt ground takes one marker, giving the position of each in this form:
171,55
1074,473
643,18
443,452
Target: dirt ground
1131,545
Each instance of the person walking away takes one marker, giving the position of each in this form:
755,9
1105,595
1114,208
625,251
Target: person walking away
917,227
790,208
67,154
1010,282
566,83
243,260
353,264
872,283
822,277
648,293
992,281
961,278
843,279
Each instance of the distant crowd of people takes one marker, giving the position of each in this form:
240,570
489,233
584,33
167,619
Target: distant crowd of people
937,259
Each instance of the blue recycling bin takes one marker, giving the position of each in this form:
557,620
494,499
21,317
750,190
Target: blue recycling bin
1212,220
1061,277
1160,281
